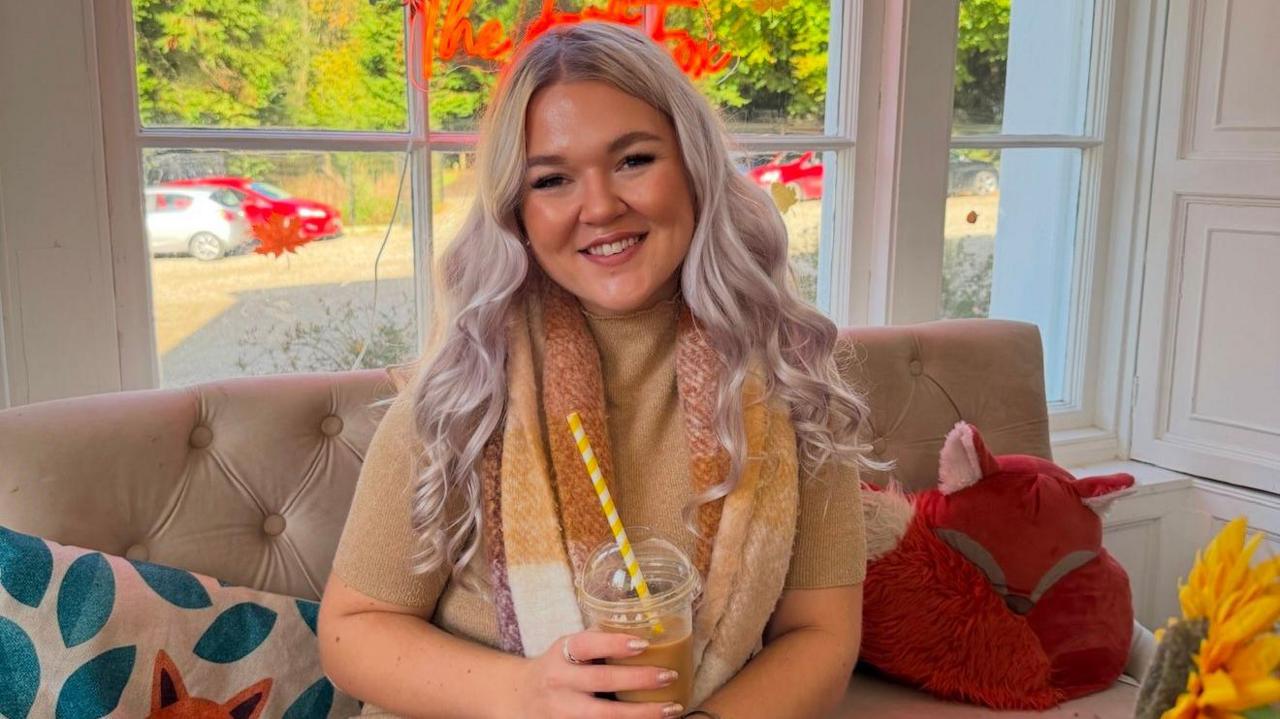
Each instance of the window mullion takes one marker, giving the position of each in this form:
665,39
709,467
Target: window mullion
999,142
420,194
274,140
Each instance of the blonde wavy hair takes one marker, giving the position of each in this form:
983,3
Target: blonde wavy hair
735,280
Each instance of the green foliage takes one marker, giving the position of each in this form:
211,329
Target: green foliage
778,75
270,63
982,49
344,337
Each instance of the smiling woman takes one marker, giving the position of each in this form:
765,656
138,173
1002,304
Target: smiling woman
609,211
615,264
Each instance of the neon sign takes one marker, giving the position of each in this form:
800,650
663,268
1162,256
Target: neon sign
443,36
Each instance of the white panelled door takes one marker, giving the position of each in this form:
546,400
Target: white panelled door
1208,382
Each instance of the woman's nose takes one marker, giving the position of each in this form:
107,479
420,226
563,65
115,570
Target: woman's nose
601,203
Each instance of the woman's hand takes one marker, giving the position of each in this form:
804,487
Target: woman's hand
560,683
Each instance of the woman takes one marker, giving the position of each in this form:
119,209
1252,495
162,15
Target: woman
614,264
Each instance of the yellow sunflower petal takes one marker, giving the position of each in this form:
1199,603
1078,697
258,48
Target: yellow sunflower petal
1184,708
1256,659
1258,615
1254,694
1219,690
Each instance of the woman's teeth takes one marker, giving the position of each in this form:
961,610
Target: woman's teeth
613,248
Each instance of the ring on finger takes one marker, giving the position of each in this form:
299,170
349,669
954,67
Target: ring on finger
568,655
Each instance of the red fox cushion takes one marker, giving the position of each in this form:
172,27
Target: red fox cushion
994,587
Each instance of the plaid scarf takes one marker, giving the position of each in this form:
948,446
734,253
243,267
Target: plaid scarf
541,520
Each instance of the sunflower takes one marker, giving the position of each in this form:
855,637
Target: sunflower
1225,643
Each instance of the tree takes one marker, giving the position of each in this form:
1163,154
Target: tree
982,49
212,62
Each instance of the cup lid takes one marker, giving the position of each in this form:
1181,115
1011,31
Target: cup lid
605,583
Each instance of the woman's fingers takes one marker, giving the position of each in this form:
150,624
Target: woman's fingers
610,678
591,708
590,645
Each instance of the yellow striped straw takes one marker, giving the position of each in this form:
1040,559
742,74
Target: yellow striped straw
610,512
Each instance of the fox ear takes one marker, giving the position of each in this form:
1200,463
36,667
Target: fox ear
249,703
964,459
1099,493
166,683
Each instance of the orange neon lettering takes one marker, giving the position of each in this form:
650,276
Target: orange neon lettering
444,37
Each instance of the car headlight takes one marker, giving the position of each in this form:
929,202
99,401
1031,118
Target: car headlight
310,212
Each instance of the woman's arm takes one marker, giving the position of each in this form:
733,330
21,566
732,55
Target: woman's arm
811,646
394,658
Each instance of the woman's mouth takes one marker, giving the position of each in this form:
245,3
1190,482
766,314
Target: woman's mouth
616,252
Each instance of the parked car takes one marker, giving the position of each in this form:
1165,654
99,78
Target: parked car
262,199
204,222
802,172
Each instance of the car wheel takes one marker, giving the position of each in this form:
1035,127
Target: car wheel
986,182
205,246
799,193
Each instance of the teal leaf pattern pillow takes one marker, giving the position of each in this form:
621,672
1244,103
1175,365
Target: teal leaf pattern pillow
176,586
19,671
313,702
310,611
85,635
93,690
85,599
25,567
235,633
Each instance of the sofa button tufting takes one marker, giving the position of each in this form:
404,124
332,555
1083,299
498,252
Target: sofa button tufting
137,553
331,426
201,437
273,525
916,368
878,446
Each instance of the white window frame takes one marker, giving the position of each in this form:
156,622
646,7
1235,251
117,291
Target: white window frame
125,140
898,242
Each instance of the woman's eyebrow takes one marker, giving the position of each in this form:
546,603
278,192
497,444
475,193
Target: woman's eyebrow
630,138
620,143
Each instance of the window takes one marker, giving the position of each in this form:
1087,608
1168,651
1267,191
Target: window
321,181
1024,145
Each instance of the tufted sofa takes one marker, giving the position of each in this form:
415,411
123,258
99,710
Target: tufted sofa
249,480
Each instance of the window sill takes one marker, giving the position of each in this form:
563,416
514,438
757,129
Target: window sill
1084,446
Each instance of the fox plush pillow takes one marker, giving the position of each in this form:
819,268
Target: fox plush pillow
994,588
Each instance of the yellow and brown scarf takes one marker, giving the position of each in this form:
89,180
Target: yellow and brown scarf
541,521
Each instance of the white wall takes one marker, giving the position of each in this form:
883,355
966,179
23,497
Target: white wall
58,325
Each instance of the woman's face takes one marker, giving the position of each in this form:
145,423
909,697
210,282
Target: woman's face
606,205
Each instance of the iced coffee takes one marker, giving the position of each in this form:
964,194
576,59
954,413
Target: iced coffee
611,603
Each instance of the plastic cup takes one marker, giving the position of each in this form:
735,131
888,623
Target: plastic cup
665,619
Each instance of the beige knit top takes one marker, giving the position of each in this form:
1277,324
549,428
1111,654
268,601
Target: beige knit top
651,486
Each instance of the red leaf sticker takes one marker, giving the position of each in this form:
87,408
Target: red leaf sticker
279,234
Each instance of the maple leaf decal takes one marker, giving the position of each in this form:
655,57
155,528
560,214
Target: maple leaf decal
279,234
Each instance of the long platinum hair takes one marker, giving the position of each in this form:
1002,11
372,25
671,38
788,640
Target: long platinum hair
735,281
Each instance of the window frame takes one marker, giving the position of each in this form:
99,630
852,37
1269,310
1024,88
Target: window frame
125,139
901,229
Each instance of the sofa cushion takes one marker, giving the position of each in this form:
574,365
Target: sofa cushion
873,696
84,634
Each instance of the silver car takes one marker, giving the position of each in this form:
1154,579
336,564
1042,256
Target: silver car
202,221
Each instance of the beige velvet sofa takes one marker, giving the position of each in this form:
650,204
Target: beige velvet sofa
249,480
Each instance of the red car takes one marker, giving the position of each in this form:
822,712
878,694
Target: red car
801,171
262,199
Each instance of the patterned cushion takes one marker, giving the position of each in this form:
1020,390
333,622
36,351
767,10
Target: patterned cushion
84,635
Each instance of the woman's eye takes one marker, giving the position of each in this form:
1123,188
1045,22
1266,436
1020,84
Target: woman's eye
637,160
543,183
